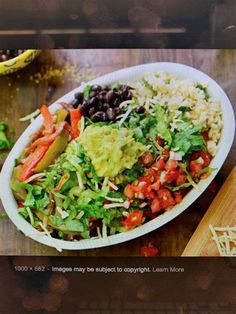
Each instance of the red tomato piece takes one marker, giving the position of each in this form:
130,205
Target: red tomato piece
144,191
206,158
155,205
181,178
153,175
148,251
170,176
166,153
178,197
171,164
129,191
135,218
195,167
159,165
145,179
155,186
166,199
147,159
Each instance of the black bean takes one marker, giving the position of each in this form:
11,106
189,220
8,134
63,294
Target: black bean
105,117
82,110
124,88
79,96
94,101
96,88
98,116
106,88
92,111
102,95
75,103
93,93
127,95
117,111
105,106
111,114
116,102
86,105
140,109
111,96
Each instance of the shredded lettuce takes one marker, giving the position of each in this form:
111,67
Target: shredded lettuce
188,139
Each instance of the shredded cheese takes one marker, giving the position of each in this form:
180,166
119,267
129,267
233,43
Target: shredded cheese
113,186
30,215
104,232
80,215
126,205
113,199
30,116
63,213
225,239
125,116
80,181
35,176
99,233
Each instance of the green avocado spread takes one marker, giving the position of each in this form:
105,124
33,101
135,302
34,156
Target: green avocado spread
111,150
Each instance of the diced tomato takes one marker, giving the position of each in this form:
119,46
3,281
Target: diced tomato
170,176
159,165
129,191
144,191
206,158
146,179
20,205
48,120
195,167
147,159
148,251
75,116
166,199
178,197
181,178
155,205
155,186
153,175
135,218
148,213
171,164
31,161
166,153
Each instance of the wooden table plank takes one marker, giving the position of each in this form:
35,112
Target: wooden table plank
20,95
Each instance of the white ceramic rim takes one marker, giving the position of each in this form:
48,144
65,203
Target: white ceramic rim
126,75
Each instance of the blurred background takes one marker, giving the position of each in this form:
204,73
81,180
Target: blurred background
124,23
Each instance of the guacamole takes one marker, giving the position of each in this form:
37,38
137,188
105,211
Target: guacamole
111,150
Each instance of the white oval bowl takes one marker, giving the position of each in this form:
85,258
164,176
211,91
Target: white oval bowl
131,74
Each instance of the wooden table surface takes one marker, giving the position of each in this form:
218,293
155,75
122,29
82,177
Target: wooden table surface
20,95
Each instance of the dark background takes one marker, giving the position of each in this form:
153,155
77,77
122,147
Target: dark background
207,286
123,23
